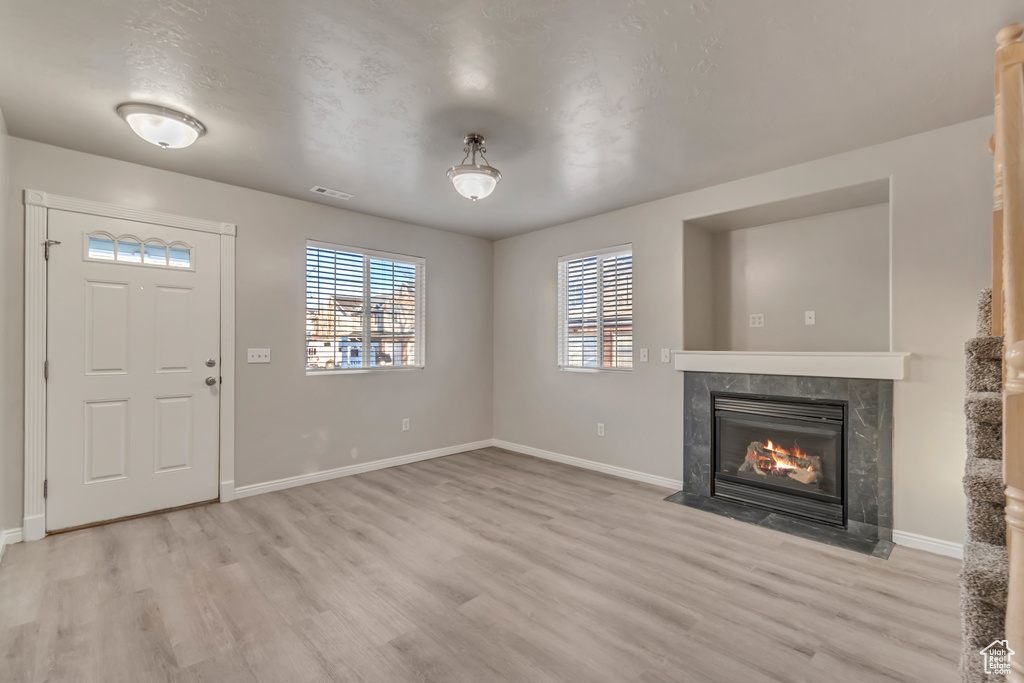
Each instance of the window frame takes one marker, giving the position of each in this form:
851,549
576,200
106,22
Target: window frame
563,296
365,348
128,238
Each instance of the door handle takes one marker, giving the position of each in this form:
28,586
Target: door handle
210,381
210,362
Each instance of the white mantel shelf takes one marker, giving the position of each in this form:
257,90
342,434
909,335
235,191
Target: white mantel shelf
881,365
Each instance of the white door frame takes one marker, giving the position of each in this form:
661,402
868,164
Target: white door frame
37,206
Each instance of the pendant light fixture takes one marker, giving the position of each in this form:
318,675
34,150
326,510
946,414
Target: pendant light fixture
161,126
472,180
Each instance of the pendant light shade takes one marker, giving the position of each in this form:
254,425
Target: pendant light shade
474,181
160,126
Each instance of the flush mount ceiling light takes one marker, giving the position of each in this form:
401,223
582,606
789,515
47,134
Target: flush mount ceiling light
472,180
161,126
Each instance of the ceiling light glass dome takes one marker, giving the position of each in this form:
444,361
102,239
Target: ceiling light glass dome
160,126
474,181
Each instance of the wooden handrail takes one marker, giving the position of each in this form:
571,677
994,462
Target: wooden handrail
1009,242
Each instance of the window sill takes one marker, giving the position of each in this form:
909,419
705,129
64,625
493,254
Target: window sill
362,371
594,370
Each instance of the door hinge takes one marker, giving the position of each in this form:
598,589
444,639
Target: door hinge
46,369
46,248
46,487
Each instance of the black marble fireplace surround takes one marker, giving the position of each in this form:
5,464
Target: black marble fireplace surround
868,526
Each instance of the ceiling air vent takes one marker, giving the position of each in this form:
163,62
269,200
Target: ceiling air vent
326,191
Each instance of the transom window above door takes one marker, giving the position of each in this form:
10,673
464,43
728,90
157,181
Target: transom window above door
101,246
364,309
595,310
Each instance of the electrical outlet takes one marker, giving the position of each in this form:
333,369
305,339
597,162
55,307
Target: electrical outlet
259,355
757,319
600,428
666,355
405,424
643,355
808,317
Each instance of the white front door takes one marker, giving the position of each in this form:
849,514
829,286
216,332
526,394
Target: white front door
133,351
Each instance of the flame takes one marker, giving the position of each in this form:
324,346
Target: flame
778,451
774,460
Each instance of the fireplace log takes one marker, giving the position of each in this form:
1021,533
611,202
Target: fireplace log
754,454
764,461
803,476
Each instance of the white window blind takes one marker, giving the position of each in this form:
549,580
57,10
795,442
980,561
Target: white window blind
595,309
364,309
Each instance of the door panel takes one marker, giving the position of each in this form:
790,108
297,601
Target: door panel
106,440
173,421
174,332
106,327
132,426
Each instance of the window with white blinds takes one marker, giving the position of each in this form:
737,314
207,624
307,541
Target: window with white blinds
364,309
595,309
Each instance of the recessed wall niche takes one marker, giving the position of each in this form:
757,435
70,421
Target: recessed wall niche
826,252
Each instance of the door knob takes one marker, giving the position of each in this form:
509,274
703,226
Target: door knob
210,362
210,381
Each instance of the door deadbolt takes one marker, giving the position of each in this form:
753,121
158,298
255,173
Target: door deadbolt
210,381
210,362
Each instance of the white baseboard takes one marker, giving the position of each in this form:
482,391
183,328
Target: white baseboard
227,491
932,545
615,471
7,537
349,470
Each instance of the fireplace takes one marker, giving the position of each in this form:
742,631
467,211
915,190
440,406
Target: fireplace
782,454
841,496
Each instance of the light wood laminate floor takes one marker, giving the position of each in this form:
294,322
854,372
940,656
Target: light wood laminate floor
483,566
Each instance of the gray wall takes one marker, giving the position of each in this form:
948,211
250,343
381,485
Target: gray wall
698,289
287,423
835,264
941,208
535,404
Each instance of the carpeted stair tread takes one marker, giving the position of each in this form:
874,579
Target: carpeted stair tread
984,364
983,480
985,313
984,406
986,572
986,522
984,376
983,585
985,440
984,348
983,622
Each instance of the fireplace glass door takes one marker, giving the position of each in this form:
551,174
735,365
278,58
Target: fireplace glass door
783,454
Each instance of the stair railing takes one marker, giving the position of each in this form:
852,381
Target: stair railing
1008,282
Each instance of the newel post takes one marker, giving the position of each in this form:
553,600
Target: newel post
1009,150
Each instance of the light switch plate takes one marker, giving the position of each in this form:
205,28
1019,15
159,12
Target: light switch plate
643,355
259,355
808,317
666,355
757,319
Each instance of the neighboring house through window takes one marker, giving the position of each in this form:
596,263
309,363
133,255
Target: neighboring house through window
364,309
595,309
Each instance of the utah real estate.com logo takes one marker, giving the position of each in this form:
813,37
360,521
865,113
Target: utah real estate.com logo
997,657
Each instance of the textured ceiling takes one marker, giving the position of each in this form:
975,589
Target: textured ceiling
587,105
